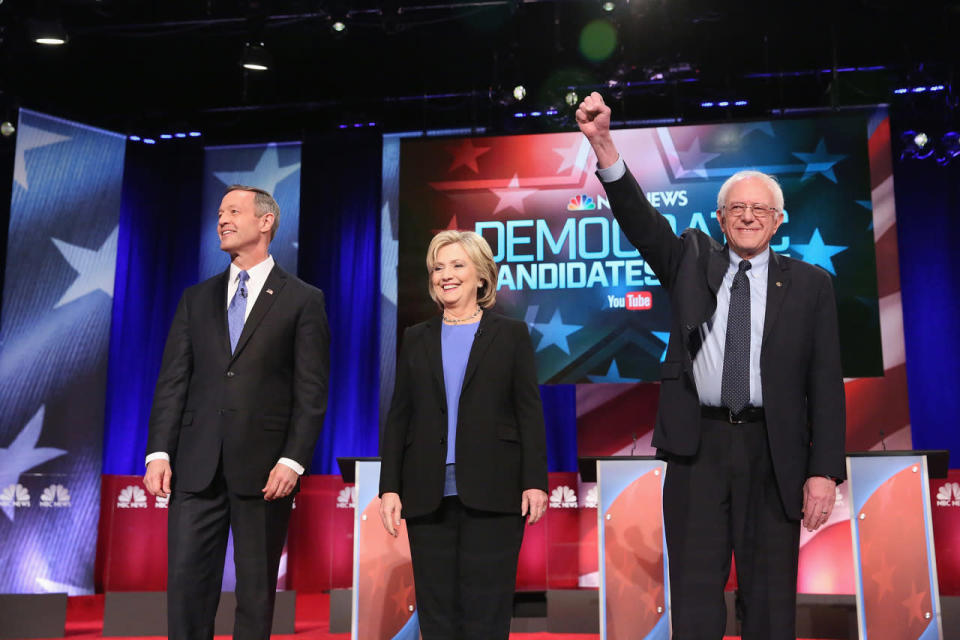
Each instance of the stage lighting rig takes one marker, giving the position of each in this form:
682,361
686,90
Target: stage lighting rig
48,32
572,99
7,129
916,144
519,92
949,148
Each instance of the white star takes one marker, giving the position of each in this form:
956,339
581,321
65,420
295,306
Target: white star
31,138
389,254
23,454
693,160
95,267
266,175
574,156
512,196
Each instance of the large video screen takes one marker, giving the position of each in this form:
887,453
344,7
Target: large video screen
596,311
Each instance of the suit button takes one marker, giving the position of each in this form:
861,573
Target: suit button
443,441
443,410
230,374
220,411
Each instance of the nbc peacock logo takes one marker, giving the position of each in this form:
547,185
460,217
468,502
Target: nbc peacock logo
581,202
563,497
56,495
347,498
132,497
15,495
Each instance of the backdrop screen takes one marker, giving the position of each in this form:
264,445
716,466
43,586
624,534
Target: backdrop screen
595,310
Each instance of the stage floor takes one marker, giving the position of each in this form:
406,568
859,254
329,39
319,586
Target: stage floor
85,622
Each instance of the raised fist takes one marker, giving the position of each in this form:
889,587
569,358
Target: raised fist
593,117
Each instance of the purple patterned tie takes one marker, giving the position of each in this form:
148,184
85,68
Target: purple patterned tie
237,309
735,383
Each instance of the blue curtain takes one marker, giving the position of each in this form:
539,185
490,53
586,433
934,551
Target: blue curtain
560,416
928,214
339,252
157,253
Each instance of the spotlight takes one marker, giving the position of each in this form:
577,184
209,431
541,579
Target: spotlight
194,134
149,141
256,57
339,26
134,138
609,6
519,92
949,148
916,144
7,129
180,135
572,99
48,32
166,136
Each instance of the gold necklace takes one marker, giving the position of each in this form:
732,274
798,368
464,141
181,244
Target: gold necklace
456,321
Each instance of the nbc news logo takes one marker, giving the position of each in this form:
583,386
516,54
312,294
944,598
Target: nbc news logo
581,202
347,498
132,497
563,497
56,495
949,495
162,502
15,495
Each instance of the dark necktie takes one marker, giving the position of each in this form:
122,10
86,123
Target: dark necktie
237,310
735,383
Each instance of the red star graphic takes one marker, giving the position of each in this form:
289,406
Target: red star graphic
883,577
914,603
466,155
452,226
512,196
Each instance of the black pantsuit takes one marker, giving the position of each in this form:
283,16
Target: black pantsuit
465,548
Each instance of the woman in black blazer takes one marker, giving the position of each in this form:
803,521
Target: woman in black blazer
464,450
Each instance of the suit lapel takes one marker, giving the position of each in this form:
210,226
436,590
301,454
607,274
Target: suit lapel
717,267
434,356
268,295
481,341
220,312
778,281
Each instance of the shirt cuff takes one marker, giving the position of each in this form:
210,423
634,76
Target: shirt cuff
614,172
156,455
293,464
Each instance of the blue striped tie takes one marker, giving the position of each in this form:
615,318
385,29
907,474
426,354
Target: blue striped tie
237,310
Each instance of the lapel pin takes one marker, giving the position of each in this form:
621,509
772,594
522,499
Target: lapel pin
779,284
270,291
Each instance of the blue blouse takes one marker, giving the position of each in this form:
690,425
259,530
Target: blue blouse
456,340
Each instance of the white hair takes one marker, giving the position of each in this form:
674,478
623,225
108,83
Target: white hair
770,181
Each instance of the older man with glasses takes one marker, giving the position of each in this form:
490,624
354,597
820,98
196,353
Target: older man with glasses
751,418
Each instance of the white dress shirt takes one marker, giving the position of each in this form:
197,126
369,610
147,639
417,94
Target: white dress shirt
708,364
258,277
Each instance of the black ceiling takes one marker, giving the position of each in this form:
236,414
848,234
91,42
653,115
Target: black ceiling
145,66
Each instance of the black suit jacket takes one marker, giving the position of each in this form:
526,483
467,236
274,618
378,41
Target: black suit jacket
803,396
263,402
501,440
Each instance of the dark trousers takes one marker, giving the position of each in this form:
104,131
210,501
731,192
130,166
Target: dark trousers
465,571
725,499
198,525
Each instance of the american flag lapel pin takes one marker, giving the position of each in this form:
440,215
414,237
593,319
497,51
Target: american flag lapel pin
270,291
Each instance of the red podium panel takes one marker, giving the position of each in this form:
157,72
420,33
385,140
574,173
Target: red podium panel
132,540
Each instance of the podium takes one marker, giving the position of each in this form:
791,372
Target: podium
634,584
897,597
383,603
894,560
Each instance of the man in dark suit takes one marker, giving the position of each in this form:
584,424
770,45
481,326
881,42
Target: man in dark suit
751,415
238,407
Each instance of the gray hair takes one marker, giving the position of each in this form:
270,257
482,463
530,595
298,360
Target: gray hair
770,181
263,203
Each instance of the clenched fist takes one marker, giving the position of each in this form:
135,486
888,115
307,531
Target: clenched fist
593,118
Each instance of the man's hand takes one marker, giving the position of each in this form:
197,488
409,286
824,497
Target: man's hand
593,118
534,502
281,482
390,513
157,478
819,495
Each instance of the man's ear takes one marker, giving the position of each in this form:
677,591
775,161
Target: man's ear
266,221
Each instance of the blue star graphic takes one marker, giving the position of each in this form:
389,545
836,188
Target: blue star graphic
766,127
31,138
664,337
95,267
389,253
613,375
23,454
820,162
530,317
555,332
819,253
266,175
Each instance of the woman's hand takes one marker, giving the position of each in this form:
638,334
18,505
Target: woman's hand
534,502
390,513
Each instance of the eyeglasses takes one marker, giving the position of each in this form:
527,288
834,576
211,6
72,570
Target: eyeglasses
761,211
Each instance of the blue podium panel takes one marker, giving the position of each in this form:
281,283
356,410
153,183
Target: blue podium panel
634,591
894,561
384,606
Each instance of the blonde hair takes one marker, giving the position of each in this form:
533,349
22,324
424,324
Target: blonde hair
480,254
